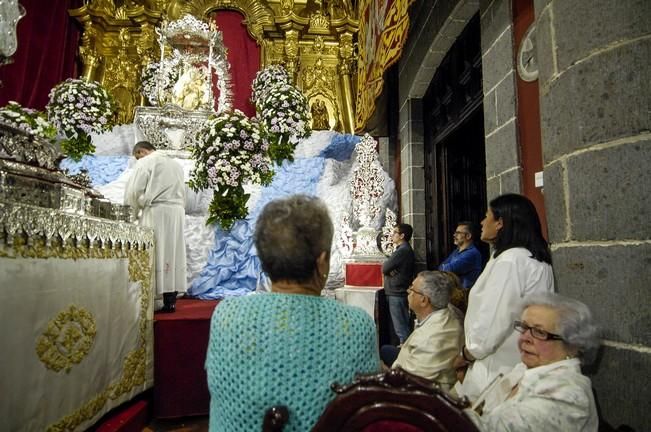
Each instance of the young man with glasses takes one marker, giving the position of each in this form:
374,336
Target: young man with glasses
465,260
398,272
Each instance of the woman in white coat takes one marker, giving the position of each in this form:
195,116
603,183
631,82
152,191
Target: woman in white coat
520,265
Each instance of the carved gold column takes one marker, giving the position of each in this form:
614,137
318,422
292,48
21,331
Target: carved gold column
291,52
89,56
345,70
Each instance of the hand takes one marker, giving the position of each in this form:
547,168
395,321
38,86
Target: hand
460,367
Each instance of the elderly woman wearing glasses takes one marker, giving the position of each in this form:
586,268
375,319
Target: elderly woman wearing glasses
547,390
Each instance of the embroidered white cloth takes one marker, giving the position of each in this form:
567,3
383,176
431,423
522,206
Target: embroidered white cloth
554,397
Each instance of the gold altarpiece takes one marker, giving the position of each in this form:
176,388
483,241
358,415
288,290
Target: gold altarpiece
313,39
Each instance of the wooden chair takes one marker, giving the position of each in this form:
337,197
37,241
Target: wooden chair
393,401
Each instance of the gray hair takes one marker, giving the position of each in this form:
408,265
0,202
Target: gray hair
575,324
437,287
290,235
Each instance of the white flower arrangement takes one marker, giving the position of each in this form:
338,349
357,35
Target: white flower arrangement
284,110
232,152
29,120
160,77
78,108
267,78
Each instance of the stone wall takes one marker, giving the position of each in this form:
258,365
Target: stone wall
594,68
503,168
595,101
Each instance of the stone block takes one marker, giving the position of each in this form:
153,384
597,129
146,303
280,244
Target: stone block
582,27
621,387
418,193
492,188
484,5
416,131
502,150
609,193
544,49
413,155
614,282
505,96
405,195
490,112
464,10
453,27
403,116
539,5
497,62
511,181
494,20
555,208
617,104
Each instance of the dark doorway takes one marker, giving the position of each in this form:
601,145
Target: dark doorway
455,162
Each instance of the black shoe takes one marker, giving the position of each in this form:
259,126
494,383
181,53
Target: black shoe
169,302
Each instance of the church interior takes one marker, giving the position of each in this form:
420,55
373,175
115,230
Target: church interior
391,113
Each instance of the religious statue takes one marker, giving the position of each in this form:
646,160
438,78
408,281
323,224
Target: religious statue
191,91
320,117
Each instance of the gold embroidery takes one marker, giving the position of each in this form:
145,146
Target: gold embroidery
67,339
71,330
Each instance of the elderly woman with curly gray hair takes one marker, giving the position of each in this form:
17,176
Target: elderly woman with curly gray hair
546,391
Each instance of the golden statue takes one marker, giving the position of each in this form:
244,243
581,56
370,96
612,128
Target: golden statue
320,116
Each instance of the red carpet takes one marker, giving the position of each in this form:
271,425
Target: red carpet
131,417
180,344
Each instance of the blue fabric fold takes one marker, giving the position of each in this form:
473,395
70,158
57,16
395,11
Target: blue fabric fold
101,169
341,147
233,265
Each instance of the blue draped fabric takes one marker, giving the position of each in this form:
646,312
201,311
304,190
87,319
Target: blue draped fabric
101,169
233,265
341,147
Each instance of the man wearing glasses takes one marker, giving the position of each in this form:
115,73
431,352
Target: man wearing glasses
430,350
465,260
398,272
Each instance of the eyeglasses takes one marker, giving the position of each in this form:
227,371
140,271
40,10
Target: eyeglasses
410,289
456,233
538,333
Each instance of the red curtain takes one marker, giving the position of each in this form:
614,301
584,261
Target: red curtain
243,55
48,39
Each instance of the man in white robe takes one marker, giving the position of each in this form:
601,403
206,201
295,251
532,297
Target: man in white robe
156,193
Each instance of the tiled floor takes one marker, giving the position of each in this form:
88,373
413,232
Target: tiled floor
186,424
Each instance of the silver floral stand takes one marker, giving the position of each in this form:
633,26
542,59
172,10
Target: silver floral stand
363,263
77,283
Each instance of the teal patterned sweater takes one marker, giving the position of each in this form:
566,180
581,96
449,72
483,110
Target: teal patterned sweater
283,349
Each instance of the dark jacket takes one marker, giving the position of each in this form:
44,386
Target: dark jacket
398,270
